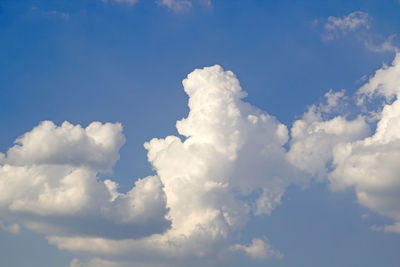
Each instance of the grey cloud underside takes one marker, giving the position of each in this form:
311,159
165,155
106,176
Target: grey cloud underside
234,162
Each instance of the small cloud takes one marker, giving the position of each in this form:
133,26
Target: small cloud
127,2
51,13
386,46
177,6
394,228
205,3
258,249
337,27
182,6
12,228
364,216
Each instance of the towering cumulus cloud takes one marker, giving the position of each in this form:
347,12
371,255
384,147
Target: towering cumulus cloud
231,162
231,150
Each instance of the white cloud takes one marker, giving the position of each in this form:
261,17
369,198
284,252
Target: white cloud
315,135
48,183
176,5
94,147
53,13
127,2
97,262
229,165
385,82
386,46
258,249
372,165
337,27
181,6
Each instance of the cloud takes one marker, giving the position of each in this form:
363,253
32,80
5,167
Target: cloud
53,13
127,2
181,6
229,167
176,5
315,135
230,163
97,262
372,165
347,152
337,27
386,46
258,249
13,228
49,183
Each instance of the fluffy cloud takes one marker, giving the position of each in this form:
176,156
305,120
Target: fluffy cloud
348,154
230,166
48,183
337,27
231,162
315,135
372,165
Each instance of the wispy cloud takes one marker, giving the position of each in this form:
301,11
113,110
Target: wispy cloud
176,5
385,46
182,6
54,13
337,27
127,2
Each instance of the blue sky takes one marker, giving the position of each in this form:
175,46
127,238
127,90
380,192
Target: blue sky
124,62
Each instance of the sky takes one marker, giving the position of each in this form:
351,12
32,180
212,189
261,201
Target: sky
199,133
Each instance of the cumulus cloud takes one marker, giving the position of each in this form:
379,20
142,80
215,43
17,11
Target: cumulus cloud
48,183
348,153
337,27
372,165
229,166
315,135
230,162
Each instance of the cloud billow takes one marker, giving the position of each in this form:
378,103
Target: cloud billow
232,162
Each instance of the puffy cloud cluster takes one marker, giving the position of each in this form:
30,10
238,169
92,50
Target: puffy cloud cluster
48,183
337,27
315,135
347,154
229,166
372,165
230,162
